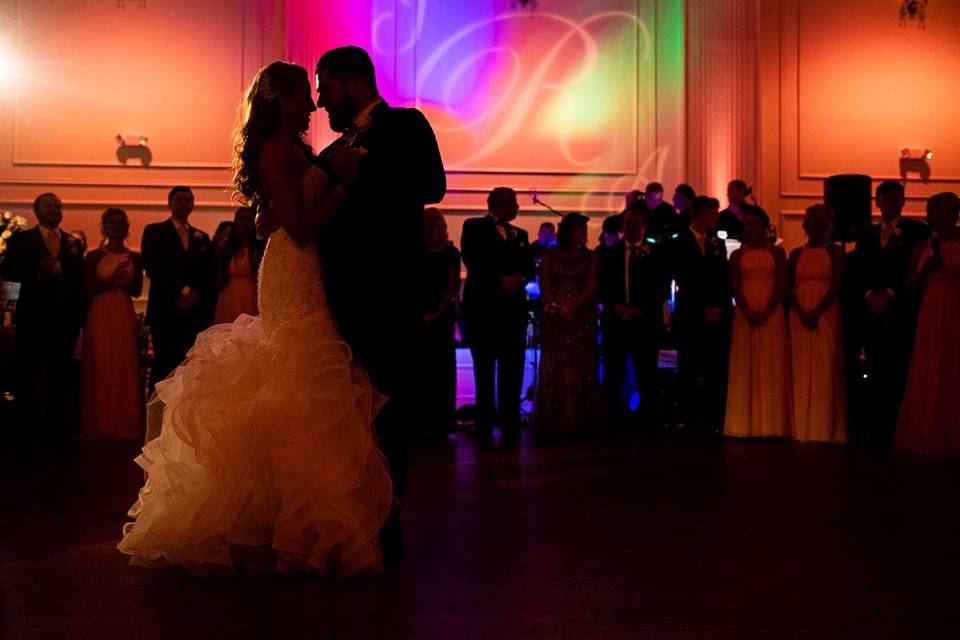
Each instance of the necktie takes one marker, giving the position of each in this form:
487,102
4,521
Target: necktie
502,229
631,263
886,232
184,236
53,243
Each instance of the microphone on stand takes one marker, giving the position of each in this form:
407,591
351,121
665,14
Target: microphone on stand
537,200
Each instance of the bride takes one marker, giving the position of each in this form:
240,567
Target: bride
266,448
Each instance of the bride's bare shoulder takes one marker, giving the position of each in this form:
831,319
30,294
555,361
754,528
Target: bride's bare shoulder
281,151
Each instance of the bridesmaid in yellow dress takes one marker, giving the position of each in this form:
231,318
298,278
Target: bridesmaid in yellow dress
758,392
930,413
816,272
235,263
112,401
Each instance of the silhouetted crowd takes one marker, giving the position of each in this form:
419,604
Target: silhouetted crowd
826,344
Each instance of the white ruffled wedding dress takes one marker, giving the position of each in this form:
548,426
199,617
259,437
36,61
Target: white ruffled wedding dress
267,440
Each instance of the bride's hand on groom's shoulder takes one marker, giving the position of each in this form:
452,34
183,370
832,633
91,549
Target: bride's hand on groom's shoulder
267,223
345,162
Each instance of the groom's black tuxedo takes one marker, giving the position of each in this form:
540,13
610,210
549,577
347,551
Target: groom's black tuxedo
373,253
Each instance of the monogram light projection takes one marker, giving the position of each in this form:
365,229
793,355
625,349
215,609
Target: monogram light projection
565,89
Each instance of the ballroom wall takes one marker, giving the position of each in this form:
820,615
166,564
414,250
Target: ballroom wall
843,87
88,70
581,101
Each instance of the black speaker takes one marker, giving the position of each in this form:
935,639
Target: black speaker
849,197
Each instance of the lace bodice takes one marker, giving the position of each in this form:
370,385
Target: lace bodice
291,281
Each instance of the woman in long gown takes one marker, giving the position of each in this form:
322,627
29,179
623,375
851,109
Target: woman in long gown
267,447
112,399
816,273
441,287
569,399
930,413
758,391
235,264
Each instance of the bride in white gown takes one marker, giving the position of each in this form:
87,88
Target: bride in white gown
267,446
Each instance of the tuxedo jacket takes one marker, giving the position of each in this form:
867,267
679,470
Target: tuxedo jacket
489,256
649,283
373,250
170,269
883,268
703,279
47,300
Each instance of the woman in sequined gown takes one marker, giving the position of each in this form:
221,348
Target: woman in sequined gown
569,399
266,457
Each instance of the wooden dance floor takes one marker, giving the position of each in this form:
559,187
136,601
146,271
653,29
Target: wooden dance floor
624,537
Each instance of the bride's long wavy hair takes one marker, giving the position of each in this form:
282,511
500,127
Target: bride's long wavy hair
257,120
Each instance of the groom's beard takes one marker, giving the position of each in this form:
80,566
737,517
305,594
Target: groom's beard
341,118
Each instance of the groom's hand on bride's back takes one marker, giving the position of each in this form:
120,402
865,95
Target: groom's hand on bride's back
267,223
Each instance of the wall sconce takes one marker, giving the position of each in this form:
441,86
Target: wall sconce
915,161
133,147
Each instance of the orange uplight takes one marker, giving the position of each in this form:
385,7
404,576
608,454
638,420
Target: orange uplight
7,65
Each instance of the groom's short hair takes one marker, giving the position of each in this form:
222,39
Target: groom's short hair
344,63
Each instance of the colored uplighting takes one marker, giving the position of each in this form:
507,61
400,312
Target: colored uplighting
554,90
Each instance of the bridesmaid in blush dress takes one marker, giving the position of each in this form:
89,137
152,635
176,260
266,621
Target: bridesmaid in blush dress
816,272
758,392
930,413
235,262
112,404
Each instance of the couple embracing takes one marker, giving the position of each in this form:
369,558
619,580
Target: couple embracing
284,437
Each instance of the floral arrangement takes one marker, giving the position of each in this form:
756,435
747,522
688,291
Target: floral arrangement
9,225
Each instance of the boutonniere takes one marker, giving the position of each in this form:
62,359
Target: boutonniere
363,121
198,234
897,232
74,248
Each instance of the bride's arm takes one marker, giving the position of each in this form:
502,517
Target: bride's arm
281,168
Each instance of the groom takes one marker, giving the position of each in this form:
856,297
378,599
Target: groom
373,248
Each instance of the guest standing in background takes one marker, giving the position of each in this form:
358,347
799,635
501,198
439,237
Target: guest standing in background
661,217
930,414
634,283
48,264
683,197
701,316
497,257
758,392
731,218
568,398
884,252
611,232
236,262
546,238
222,233
112,405
816,347
441,287
176,261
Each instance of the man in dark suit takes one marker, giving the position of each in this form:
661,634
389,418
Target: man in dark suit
634,283
661,216
702,316
48,264
175,258
494,309
373,250
890,312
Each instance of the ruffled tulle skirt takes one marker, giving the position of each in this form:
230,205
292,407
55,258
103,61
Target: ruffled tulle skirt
266,443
